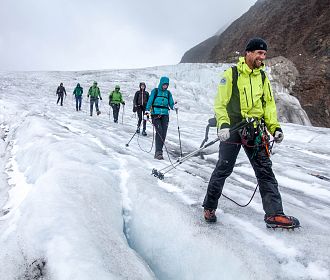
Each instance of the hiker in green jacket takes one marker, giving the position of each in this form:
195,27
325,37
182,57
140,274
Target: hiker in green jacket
77,92
94,93
115,99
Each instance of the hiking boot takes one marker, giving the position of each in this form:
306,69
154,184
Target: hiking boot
281,221
159,156
209,215
98,112
138,130
144,133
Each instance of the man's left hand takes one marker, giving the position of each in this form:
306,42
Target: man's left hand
278,136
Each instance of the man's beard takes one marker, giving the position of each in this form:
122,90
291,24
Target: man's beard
257,63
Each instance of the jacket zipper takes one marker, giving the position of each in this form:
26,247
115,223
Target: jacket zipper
251,89
247,102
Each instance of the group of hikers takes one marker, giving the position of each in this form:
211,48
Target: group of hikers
154,106
244,93
94,94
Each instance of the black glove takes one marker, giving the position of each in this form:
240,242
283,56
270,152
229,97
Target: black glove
100,98
123,103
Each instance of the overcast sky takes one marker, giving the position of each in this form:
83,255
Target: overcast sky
107,34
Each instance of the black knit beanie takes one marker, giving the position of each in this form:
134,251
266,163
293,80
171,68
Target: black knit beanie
256,44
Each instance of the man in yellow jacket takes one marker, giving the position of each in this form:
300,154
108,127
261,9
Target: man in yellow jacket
245,92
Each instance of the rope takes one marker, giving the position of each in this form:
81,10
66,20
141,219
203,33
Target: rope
168,155
240,205
152,144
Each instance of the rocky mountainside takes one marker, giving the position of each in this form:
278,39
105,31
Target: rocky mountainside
297,30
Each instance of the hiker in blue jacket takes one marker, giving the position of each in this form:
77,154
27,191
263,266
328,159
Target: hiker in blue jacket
159,104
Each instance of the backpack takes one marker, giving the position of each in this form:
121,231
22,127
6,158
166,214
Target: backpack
156,106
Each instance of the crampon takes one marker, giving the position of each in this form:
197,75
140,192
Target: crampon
281,222
157,174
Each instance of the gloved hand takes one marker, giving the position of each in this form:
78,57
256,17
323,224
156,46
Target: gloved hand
123,103
223,134
100,98
176,107
146,115
278,136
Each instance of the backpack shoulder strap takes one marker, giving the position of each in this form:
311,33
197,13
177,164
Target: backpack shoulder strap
155,96
234,80
153,101
263,76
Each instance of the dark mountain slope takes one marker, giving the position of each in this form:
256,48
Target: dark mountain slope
295,29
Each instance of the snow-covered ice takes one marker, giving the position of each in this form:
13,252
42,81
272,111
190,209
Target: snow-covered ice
76,203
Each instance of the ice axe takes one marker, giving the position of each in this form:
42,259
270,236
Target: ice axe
212,123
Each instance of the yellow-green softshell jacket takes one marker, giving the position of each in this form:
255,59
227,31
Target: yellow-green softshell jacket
256,100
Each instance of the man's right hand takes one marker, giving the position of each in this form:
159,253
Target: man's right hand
223,134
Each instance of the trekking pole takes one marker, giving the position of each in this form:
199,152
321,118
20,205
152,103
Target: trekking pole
122,116
100,105
87,102
73,101
131,139
177,119
160,173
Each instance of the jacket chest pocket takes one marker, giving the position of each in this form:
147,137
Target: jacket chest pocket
245,98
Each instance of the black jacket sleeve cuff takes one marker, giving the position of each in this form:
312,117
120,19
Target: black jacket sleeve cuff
278,129
224,125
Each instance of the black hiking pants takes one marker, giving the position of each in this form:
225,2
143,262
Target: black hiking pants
115,110
140,112
160,123
92,101
60,97
262,165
